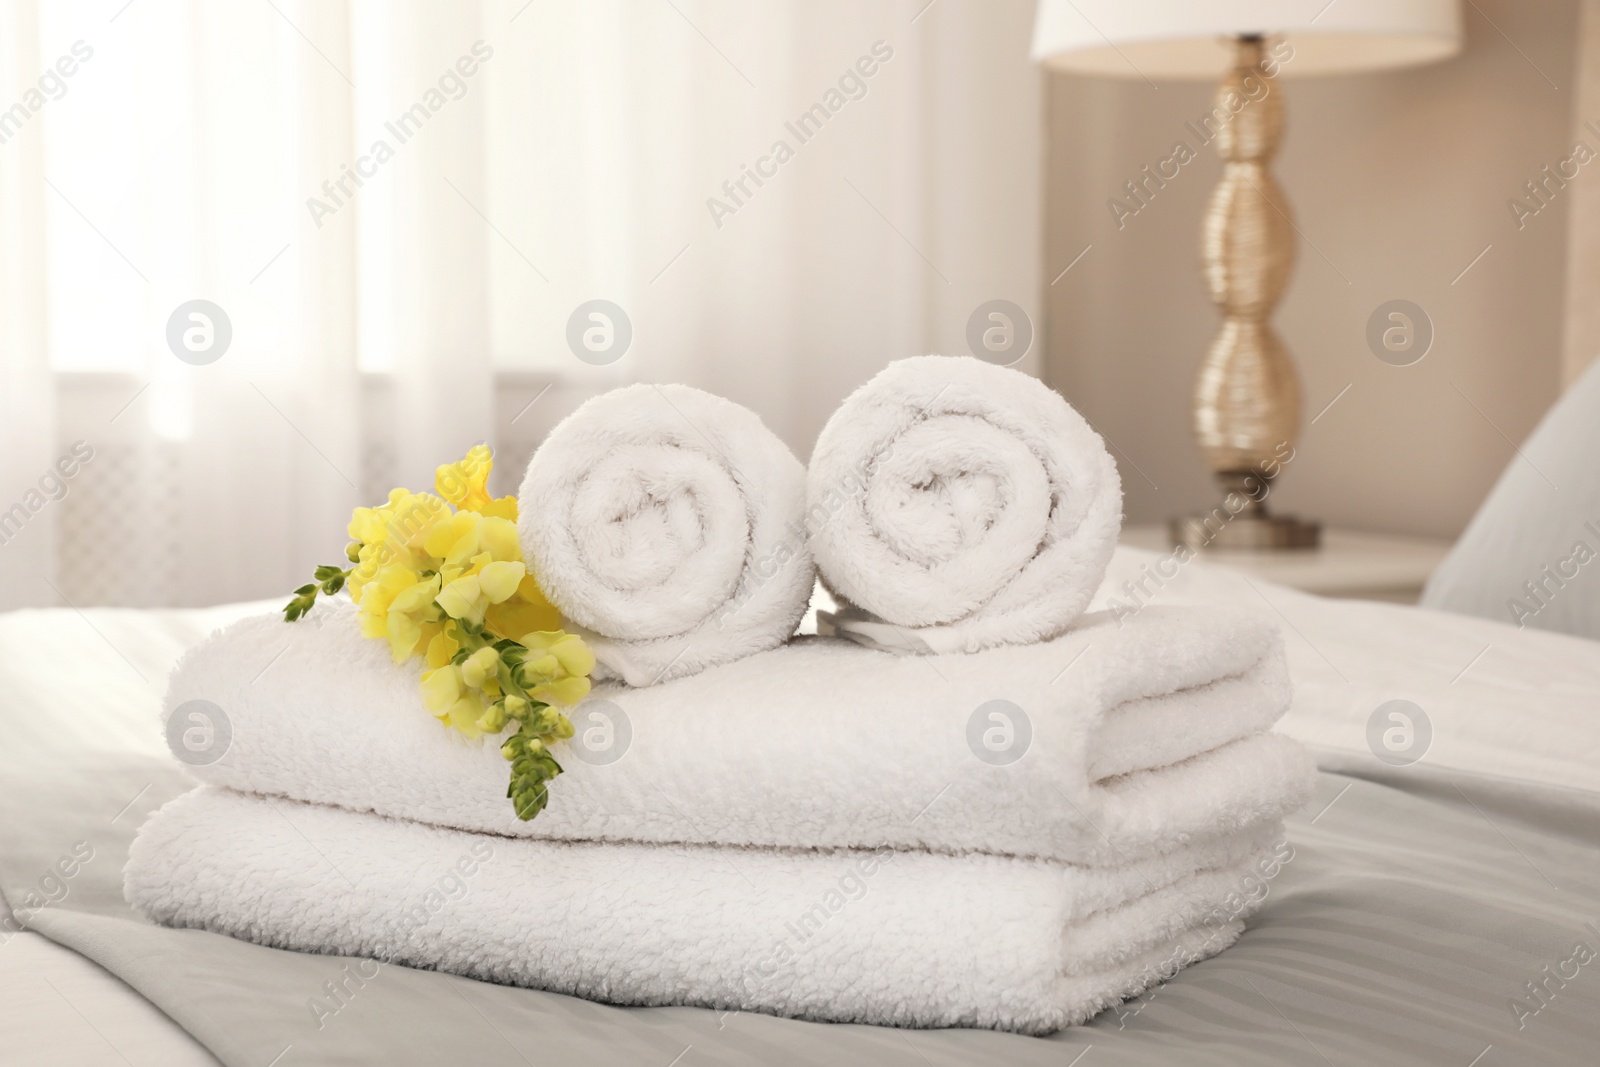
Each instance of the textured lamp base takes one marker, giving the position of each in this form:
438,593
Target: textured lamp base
1247,395
1247,531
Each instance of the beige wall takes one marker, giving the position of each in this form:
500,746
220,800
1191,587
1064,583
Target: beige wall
1397,180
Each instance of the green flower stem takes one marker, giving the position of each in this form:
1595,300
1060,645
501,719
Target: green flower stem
537,723
329,579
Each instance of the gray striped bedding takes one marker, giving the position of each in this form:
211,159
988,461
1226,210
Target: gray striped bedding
1424,918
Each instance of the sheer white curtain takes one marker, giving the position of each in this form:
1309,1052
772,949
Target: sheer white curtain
616,122
399,206
205,151
27,409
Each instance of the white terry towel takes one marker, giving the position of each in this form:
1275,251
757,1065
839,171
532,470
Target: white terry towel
1114,742
897,938
966,504
667,523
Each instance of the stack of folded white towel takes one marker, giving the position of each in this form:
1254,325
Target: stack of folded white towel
973,807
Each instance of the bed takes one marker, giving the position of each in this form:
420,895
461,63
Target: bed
1442,905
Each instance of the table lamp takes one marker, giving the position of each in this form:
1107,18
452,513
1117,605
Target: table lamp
1247,395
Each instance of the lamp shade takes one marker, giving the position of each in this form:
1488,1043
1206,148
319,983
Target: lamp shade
1192,38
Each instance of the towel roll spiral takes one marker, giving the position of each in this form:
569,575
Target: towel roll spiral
666,522
959,505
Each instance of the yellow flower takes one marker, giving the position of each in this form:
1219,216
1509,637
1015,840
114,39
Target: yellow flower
499,538
378,594
441,688
366,526
462,599
538,671
391,535
569,650
443,645
374,625
504,507
455,538
465,483
409,521
564,692
499,580
525,612
416,597
464,715
404,634
479,667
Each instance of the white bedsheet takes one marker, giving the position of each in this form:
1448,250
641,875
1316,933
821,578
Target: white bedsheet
98,676
60,1008
1500,701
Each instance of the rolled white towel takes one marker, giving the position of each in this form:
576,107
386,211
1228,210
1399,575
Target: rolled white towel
1109,743
896,938
666,522
965,504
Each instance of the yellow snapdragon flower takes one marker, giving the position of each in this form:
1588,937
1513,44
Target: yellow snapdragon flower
465,484
442,577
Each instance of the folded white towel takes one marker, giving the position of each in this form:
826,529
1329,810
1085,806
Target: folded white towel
897,938
962,502
1113,742
667,523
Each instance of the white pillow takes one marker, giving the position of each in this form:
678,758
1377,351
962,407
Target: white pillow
1531,555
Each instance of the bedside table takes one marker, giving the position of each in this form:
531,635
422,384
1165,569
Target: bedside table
1349,563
